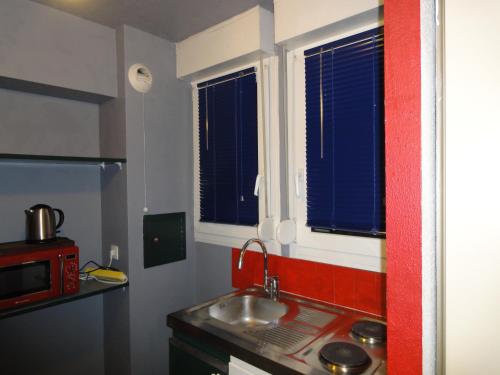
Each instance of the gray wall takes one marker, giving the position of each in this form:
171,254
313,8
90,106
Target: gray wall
44,45
38,124
115,223
213,271
157,291
112,132
116,304
60,340
34,343
121,332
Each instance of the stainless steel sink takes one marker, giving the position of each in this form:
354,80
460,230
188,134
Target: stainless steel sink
255,322
288,331
248,311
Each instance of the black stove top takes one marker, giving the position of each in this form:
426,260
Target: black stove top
343,357
356,346
370,332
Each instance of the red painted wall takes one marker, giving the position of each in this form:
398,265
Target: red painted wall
403,181
357,289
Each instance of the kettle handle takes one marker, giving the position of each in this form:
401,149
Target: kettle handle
61,217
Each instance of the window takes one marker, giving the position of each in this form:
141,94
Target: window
235,122
336,149
228,149
344,135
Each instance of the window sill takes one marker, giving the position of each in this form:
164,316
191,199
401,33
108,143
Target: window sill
347,251
233,236
348,232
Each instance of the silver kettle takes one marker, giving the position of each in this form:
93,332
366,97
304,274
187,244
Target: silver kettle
41,223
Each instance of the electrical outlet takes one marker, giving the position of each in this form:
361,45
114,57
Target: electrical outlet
113,252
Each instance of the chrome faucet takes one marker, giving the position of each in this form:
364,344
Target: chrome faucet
271,284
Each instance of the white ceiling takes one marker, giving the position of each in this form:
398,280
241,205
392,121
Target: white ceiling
174,20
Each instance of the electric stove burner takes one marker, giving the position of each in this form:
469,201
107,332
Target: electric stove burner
367,331
344,358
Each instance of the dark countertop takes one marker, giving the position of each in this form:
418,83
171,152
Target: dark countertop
264,361
197,324
88,288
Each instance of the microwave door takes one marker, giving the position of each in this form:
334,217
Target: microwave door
25,282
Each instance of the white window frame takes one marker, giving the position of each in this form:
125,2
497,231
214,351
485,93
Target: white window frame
343,250
268,134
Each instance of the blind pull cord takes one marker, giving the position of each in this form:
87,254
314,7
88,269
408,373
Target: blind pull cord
206,118
145,209
321,100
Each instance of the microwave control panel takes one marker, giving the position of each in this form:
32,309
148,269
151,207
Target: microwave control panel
70,268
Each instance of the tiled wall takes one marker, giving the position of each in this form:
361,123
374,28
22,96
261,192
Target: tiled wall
357,289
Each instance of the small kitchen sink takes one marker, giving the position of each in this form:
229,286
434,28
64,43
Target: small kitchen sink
248,311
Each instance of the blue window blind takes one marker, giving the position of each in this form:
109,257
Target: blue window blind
228,151
345,135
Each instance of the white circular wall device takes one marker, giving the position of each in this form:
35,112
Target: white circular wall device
265,229
140,78
286,233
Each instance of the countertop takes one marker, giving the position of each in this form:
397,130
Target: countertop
194,323
88,288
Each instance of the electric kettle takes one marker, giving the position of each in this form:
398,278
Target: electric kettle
41,223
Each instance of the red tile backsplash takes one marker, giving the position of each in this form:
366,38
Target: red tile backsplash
345,286
241,279
357,289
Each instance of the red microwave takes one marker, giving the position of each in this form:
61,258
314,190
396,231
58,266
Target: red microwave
35,272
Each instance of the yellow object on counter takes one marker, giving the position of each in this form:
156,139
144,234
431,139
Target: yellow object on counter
106,275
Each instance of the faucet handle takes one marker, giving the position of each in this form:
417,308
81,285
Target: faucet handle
274,287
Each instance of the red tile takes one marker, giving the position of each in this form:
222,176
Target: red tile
273,267
253,267
289,271
241,278
362,290
326,283
257,261
383,294
370,292
345,286
310,279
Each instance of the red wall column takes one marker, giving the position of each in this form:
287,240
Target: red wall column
403,181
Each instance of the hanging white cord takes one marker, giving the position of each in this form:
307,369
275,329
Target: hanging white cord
145,209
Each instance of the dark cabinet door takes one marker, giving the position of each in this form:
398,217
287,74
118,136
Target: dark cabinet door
186,359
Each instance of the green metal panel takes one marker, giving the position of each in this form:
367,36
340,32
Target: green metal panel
164,238
184,363
203,346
